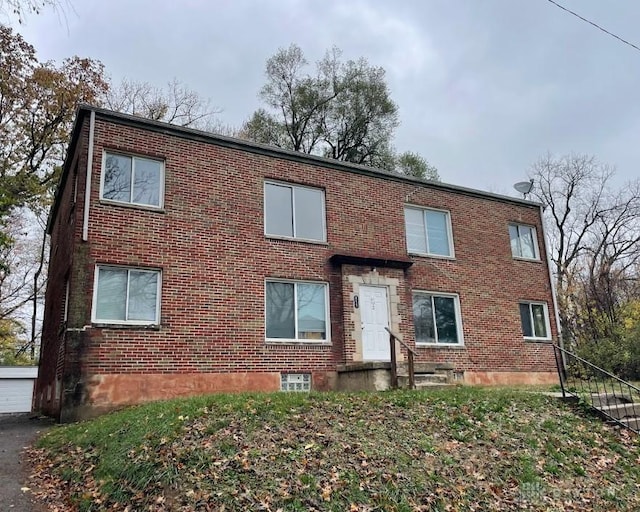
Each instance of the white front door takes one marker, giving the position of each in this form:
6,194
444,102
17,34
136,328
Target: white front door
374,314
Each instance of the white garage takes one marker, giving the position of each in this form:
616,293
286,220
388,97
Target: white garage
16,388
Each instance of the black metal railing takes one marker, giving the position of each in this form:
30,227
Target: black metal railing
612,397
394,361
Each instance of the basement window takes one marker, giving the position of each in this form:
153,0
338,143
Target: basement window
295,382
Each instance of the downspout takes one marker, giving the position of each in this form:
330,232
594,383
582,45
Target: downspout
551,283
560,358
87,189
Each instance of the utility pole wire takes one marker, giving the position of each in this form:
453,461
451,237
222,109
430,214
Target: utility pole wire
595,25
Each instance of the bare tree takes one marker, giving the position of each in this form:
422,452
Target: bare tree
614,253
21,262
175,104
594,233
22,8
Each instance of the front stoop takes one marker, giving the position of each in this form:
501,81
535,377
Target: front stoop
620,407
376,376
369,376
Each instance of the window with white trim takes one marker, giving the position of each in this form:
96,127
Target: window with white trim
524,242
126,296
428,231
534,317
294,211
296,311
133,180
436,318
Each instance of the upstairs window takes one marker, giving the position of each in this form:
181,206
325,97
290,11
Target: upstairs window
534,317
126,296
523,242
293,211
428,231
133,180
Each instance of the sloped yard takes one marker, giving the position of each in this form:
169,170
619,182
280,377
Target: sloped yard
460,449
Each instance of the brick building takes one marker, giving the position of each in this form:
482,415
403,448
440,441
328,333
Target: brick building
184,262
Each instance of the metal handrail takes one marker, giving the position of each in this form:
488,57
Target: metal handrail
597,381
601,370
394,364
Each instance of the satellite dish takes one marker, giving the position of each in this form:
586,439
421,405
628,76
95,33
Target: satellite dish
524,187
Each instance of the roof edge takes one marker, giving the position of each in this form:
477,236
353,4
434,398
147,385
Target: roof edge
85,109
274,151
81,111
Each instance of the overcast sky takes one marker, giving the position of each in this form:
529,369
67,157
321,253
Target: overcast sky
483,87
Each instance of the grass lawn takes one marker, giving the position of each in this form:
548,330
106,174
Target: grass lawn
459,449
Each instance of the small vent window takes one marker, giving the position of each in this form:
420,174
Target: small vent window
295,382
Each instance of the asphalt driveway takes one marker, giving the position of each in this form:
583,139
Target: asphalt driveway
16,432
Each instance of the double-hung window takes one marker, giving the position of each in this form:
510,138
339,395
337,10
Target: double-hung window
133,180
297,311
523,242
293,211
428,231
126,296
436,318
534,317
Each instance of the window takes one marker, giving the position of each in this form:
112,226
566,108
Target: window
523,241
294,212
295,382
297,311
428,231
436,318
65,308
132,179
126,296
535,320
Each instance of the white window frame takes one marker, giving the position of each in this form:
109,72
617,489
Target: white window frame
425,209
534,235
458,313
94,307
327,315
293,188
133,157
547,323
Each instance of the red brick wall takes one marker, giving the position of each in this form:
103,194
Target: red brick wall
58,358
209,243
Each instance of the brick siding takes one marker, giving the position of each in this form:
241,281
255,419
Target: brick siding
209,243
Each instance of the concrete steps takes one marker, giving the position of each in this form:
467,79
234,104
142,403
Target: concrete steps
621,411
619,407
427,375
